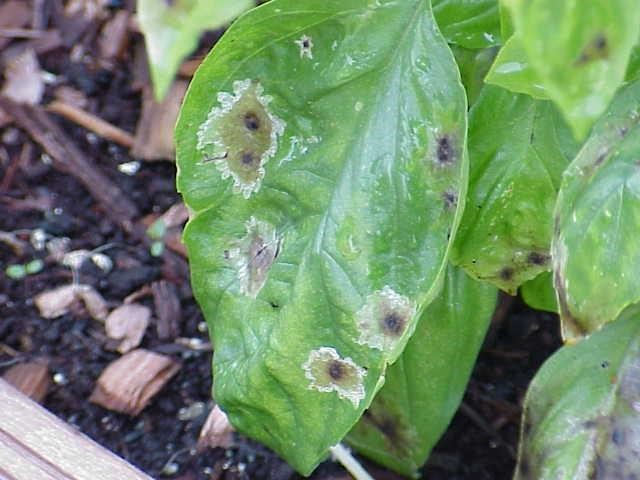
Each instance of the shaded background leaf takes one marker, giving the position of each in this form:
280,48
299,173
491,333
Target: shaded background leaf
516,161
422,392
473,65
469,23
581,418
172,28
538,293
321,149
596,254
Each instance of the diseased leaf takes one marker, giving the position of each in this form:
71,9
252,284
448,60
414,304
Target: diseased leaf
538,293
579,54
421,391
172,28
512,70
321,150
469,23
516,161
596,253
581,419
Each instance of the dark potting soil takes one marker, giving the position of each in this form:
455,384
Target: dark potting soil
480,443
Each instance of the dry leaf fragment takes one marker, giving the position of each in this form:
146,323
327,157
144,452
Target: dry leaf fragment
31,378
128,323
216,431
154,133
23,78
128,384
95,304
55,303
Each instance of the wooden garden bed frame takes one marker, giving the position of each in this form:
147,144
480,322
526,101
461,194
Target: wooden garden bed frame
36,445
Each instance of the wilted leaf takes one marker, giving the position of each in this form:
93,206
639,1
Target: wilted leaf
470,24
596,253
473,66
422,391
171,31
579,54
581,414
516,161
323,203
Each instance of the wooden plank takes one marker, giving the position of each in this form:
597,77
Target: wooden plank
35,444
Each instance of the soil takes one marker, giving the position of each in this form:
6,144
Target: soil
479,444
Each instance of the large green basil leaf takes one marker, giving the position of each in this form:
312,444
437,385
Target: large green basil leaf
582,411
517,157
425,386
579,51
469,23
596,253
321,149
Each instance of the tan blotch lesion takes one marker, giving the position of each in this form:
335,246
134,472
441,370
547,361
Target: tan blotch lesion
384,318
253,255
327,371
240,135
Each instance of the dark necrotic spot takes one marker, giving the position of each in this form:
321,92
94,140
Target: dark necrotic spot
393,324
247,158
604,364
506,273
445,153
537,258
597,48
251,121
450,199
617,437
336,370
274,305
305,43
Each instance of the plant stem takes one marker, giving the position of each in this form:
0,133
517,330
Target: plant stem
343,455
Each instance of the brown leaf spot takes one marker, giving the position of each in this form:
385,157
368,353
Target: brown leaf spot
336,370
445,152
506,273
596,49
251,121
450,199
393,323
537,258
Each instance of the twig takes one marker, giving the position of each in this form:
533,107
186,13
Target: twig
348,461
480,422
21,33
69,159
91,122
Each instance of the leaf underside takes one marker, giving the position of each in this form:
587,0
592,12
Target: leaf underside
321,150
421,391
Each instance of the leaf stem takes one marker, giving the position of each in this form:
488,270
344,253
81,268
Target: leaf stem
343,455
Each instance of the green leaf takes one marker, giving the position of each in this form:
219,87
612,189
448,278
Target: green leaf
473,65
321,150
538,293
172,29
512,70
422,391
596,254
579,54
469,23
517,149
581,418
